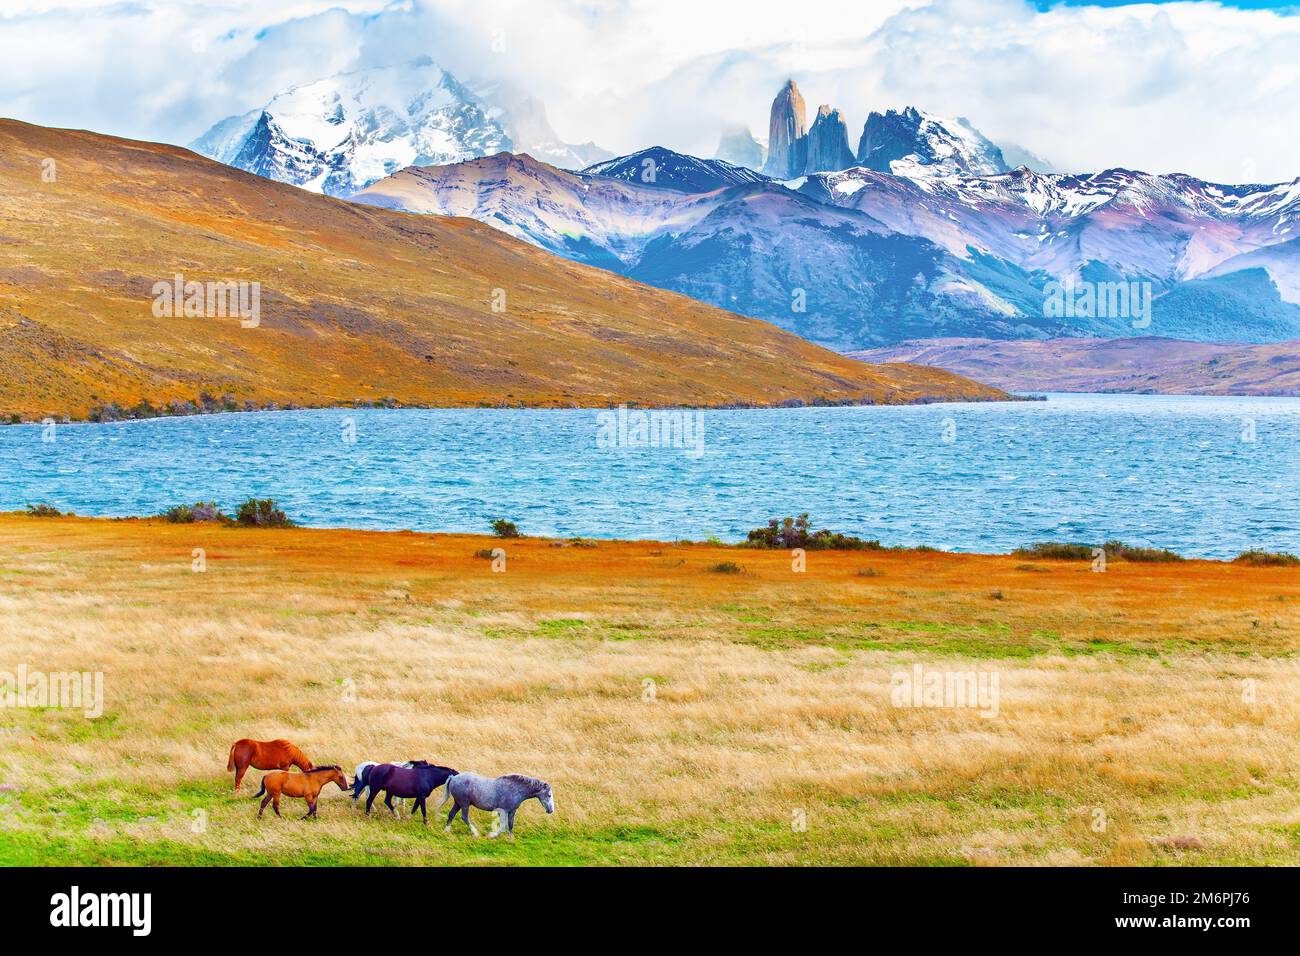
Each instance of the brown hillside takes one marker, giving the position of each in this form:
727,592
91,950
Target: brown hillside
357,303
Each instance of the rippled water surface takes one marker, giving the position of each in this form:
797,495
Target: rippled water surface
1175,472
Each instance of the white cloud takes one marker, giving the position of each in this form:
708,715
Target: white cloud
1183,87
1192,87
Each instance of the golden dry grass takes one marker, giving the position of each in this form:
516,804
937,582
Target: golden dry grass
1122,698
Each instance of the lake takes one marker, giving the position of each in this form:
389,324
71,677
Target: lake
1203,476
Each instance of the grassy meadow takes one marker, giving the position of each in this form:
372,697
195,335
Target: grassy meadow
686,712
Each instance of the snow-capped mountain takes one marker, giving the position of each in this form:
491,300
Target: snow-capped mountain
342,133
1222,260
1165,229
917,145
883,258
596,219
666,169
905,143
749,245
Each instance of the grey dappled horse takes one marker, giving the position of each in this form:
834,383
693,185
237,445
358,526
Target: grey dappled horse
503,794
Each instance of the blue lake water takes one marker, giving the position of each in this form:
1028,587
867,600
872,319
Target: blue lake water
1176,472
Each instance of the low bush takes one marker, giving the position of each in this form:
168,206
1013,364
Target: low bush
261,513
205,404
1075,551
789,533
1267,559
727,567
1057,550
505,529
199,512
43,511
1118,549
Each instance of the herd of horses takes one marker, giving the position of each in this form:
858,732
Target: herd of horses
413,779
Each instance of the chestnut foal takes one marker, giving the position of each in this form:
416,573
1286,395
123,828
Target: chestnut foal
307,785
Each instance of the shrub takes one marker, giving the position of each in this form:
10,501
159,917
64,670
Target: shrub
484,553
110,412
1267,559
1118,549
261,513
727,567
789,533
1055,549
178,514
1074,551
207,511
505,529
43,511
199,512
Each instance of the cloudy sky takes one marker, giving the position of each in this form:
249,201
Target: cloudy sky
1207,88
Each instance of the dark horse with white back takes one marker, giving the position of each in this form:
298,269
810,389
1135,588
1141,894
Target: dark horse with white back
361,778
502,794
417,781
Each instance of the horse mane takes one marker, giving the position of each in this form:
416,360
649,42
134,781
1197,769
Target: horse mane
532,783
323,769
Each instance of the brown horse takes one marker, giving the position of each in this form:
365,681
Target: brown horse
306,785
264,755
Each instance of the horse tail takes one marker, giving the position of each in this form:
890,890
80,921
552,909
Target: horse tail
446,795
360,782
230,761
262,791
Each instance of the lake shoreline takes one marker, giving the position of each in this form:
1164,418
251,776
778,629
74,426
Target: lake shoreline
594,541
93,418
